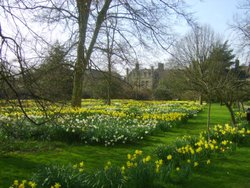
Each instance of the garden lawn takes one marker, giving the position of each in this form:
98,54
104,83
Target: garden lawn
28,157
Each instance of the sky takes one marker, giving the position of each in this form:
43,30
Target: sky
216,13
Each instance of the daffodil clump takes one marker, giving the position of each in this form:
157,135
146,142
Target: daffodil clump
138,170
24,184
240,115
239,134
119,108
193,150
123,122
190,152
80,167
30,184
141,170
106,129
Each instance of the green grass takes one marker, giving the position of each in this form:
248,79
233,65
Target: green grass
231,172
27,157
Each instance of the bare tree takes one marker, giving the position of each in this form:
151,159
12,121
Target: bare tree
139,20
232,90
241,26
203,59
15,75
191,53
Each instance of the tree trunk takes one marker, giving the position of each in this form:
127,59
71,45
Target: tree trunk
230,109
83,55
238,105
208,121
77,85
242,106
201,99
82,60
109,80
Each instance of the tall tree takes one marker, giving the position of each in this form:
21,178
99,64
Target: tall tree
223,78
54,75
191,54
83,55
204,60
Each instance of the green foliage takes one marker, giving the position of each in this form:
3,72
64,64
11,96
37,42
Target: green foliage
172,85
96,85
54,77
162,93
109,177
67,176
134,111
142,94
143,175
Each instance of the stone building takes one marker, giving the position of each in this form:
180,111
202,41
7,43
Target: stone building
144,78
246,71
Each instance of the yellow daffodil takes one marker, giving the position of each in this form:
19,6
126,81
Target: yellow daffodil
148,158
198,150
81,164
129,156
32,184
129,164
169,157
15,182
138,152
123,168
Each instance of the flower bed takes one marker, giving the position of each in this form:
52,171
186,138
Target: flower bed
125,121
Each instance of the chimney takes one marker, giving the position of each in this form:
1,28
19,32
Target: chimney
127,74
137,66
160,66
152,68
